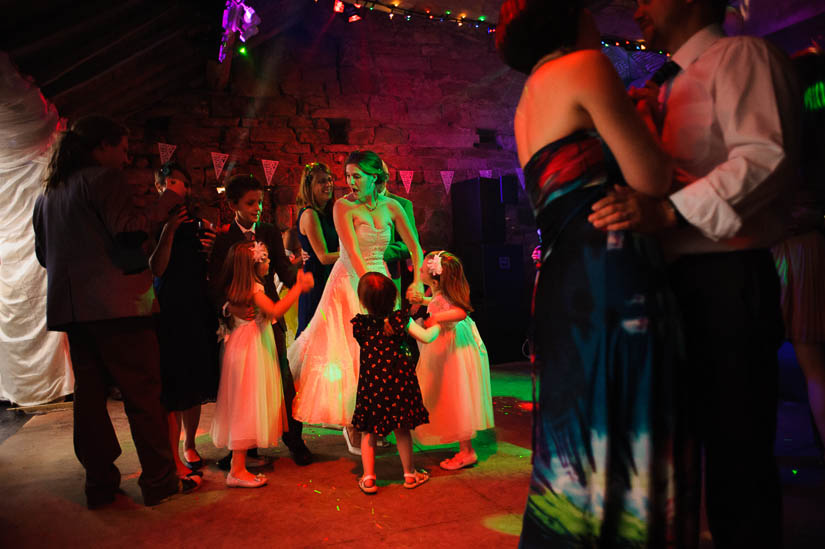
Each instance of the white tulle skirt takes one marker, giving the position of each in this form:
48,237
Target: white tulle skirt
250,410
454,376
324,360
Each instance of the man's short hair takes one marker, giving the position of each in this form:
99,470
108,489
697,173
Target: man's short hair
239,185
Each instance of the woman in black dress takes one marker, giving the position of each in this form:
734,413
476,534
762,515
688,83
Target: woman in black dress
316,231
187,324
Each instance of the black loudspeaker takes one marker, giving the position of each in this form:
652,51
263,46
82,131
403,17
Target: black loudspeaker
500,297
478,212
509,188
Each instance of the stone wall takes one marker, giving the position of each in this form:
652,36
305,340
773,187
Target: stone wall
425,96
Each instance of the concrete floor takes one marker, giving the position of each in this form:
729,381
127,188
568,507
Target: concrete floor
42,502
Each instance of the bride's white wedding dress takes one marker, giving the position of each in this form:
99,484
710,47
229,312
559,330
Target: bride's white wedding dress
324,360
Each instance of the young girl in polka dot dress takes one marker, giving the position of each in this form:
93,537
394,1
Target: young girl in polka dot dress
388,397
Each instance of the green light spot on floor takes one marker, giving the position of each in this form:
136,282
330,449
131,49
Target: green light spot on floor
794,471
507,523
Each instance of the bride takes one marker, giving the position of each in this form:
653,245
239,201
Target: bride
324,359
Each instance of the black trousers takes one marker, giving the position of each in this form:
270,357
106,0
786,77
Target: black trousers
292,438
125,351
733,329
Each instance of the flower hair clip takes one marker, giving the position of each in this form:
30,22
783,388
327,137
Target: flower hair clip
434,265
259,252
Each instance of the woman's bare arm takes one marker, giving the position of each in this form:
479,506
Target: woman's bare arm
645,166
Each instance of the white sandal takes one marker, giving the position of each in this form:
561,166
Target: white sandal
369,490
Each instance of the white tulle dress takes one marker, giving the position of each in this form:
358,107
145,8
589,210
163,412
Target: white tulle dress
324,359
250,410
454,376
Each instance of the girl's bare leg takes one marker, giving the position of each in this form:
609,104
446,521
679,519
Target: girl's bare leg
368,456
405,450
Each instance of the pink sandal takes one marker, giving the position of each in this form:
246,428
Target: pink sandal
369,490
418,478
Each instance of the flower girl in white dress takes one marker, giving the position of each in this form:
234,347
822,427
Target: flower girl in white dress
250,411
454,370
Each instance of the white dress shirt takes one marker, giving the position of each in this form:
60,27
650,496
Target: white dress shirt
244,230
731,125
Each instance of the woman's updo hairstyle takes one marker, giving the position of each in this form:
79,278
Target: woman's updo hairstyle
530,29
369,163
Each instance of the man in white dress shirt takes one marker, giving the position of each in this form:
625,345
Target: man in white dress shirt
729,118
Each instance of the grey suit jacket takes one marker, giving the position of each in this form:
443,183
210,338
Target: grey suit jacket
88,234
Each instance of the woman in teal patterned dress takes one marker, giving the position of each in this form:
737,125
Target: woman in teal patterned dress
604,328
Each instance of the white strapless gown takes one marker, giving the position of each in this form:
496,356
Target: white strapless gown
324,360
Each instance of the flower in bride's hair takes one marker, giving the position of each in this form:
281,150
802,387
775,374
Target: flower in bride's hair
259,252
434,265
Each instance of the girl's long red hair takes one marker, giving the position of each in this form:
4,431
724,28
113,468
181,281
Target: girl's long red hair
239,270
452,281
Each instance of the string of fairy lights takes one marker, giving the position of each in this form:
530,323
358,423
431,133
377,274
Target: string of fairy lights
354,11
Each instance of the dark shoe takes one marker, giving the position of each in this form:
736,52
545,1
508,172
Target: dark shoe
98,501
252,452
194,465
186,485
301,454
191,482
225,463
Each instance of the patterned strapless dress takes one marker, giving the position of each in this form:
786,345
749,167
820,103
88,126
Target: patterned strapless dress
605,344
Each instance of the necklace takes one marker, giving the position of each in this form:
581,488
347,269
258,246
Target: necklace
368,207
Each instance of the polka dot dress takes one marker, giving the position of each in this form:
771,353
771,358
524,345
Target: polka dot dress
388,395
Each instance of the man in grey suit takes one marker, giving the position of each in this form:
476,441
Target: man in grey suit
88,235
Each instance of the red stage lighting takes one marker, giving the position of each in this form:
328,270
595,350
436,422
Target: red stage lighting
338,7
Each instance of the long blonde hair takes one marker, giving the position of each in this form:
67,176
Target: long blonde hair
451,281
239,272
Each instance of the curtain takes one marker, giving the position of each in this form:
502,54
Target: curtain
34,364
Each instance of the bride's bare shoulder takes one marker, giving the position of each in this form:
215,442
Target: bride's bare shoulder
345,203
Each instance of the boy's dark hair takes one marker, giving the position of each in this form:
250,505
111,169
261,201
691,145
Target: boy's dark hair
530,29
239,185
377,294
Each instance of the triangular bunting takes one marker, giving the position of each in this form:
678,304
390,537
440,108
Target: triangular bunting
406,179
269,169
487,174
520,175
447,179
218,161
166,152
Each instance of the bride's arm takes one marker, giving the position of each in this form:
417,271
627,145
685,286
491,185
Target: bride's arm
342,217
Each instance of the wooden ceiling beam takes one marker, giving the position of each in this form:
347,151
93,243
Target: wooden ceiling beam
52,41
110,45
